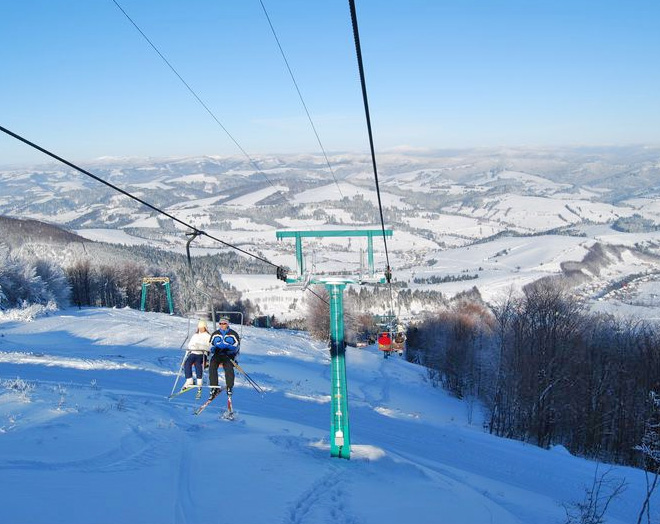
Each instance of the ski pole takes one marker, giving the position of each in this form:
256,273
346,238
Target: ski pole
178,375
256,386
248,377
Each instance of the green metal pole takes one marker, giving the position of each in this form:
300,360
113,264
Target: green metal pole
370,251
143,302
169,297
299,256
340,441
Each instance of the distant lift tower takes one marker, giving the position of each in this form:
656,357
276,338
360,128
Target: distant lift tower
340,441
147,281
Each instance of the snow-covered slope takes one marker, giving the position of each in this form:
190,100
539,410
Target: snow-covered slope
87,435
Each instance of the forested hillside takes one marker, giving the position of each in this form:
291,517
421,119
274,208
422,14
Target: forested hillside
43,263
549,371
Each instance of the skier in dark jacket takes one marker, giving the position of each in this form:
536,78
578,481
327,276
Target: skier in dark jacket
225,345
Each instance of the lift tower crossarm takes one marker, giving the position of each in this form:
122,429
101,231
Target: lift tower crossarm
370,233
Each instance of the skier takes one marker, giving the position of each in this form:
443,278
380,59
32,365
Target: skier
198,350
225,344
399,342
385,344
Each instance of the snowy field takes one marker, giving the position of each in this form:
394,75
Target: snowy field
87,435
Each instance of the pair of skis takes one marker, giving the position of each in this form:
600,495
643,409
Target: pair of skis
229,414
185,390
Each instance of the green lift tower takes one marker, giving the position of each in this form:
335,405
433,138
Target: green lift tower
340,440
147,281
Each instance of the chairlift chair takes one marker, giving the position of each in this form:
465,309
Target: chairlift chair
385,343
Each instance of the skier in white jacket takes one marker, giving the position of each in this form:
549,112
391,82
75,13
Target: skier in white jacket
198,350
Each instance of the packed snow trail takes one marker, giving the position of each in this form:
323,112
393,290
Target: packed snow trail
85,422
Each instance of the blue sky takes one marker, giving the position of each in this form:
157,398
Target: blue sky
78,79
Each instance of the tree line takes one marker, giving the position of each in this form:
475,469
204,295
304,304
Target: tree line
35,282
88,281
547,370
434,279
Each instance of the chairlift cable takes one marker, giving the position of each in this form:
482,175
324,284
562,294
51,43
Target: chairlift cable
318,296
201,102
215,118
194,94
358,51
129,195
311,122
286,61
363,83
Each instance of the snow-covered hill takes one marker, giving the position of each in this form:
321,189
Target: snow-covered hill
87,435
508,216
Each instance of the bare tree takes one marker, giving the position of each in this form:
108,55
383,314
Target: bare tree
597,499
650,449
545,334
80,279
499,401
318,313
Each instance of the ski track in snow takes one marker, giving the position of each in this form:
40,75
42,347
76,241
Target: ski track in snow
184,501
328,492
134,451
454,481
381,384
43,359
